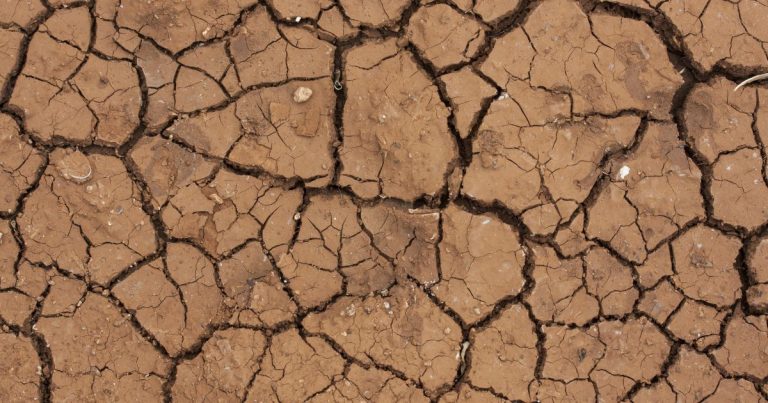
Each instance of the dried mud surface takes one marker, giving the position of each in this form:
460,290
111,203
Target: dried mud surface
402,200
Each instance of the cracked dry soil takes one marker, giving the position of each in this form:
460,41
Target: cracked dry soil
393,200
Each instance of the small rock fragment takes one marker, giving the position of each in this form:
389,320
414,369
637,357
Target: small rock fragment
624,172
75,167
302,94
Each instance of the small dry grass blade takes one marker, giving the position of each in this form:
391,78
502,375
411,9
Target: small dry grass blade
751,80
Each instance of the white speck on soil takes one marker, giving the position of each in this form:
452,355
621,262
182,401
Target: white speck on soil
623,172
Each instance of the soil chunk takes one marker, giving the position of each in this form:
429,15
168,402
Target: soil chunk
295,368
175,25
476,271
611,282
697,324
702,255
490,11
468,92
97,352
444,36
361,12
224,367
21,12
745,350
661,301
270,130
720,127
10,43
693,376
397,141
559,293
61,93
177,309
404,330
407,237
258,296
314,264
19,164
373,384
634,352
19,369
606,63
507,346
720,33
291,9
657,197
521,160
757,295
264,53
67,221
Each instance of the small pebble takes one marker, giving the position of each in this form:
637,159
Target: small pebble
623,172
216,198
302,94
75,167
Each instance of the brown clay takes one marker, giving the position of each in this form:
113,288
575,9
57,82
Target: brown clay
416,201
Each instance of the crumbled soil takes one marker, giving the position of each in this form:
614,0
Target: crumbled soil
402,200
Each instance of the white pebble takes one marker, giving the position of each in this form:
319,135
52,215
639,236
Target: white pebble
623,172
302,94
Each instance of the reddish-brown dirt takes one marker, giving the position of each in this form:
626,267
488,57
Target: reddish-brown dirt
384,201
